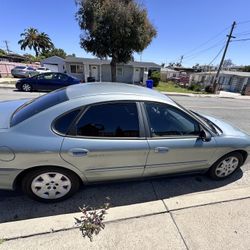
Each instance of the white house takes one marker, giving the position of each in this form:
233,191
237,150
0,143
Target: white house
100,70
168,73
232,81
54,63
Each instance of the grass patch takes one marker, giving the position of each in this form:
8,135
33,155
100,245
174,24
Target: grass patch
1,241
172,87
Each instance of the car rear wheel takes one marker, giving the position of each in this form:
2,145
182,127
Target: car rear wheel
50,184
26,87
226,166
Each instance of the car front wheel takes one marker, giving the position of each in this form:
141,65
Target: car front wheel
226,166
50,184
26,87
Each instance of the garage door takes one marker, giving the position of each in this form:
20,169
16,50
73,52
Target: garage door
52,67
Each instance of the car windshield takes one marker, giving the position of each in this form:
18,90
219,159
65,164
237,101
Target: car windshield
38,105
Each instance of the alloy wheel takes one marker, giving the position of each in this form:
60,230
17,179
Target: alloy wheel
26,87
227,166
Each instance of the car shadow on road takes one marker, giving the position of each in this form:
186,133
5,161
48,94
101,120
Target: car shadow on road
16,206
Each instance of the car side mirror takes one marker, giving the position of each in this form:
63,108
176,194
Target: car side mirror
205,135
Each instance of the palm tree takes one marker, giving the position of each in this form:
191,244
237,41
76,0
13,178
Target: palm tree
32,39
45,42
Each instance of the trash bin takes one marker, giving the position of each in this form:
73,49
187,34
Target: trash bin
90,79
149,83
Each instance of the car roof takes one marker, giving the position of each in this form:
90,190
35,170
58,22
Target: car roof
114,89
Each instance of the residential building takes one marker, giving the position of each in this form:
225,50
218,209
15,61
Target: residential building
232,81
100,70
168,73
54,63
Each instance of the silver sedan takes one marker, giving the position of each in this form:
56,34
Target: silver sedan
96,132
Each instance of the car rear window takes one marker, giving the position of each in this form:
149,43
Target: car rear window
38,105
20,67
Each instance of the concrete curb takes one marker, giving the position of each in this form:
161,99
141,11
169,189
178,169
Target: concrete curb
206,198
38,226
7,86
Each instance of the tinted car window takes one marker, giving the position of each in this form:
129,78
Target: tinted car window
63,123
110,120
30,68
38,105
62,77
165,120
20,67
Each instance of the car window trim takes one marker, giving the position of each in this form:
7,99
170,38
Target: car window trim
147,124
52,126
72,130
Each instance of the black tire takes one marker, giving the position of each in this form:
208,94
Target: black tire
33,174
26,87
214,172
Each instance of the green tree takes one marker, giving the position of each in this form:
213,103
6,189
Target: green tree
2,52
114,29
246,68
29,58
54,52
32,39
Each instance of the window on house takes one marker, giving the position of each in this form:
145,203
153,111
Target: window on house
119,71
76,68
73,68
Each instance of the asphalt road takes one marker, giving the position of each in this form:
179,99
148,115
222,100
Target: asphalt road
16,206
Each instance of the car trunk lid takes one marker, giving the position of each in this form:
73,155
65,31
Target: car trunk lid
7,108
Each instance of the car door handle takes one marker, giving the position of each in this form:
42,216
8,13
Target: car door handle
161,150
78,152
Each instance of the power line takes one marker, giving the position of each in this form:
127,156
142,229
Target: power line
219,43
206,42
241,40
243,22
216,55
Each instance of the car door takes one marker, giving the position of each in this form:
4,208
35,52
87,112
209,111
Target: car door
44,81
174,141
107,142
59,80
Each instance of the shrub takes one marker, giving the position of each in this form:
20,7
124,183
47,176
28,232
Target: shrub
156,76
195,87
91,221
209,89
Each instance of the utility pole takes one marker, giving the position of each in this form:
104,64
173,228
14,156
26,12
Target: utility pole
7,46
181,60
215,82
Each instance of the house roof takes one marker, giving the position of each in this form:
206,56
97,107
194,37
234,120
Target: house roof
72,59
224,72
53,59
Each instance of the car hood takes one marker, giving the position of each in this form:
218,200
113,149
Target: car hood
7,108
227,129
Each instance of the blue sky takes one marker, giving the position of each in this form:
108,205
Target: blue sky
182,26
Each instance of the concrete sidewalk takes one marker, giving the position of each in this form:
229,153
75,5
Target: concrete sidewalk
204,220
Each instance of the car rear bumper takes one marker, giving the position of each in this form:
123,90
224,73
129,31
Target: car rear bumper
7,178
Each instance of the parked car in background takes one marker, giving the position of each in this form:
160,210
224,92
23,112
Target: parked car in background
46,82
23,71
109,131
42,70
